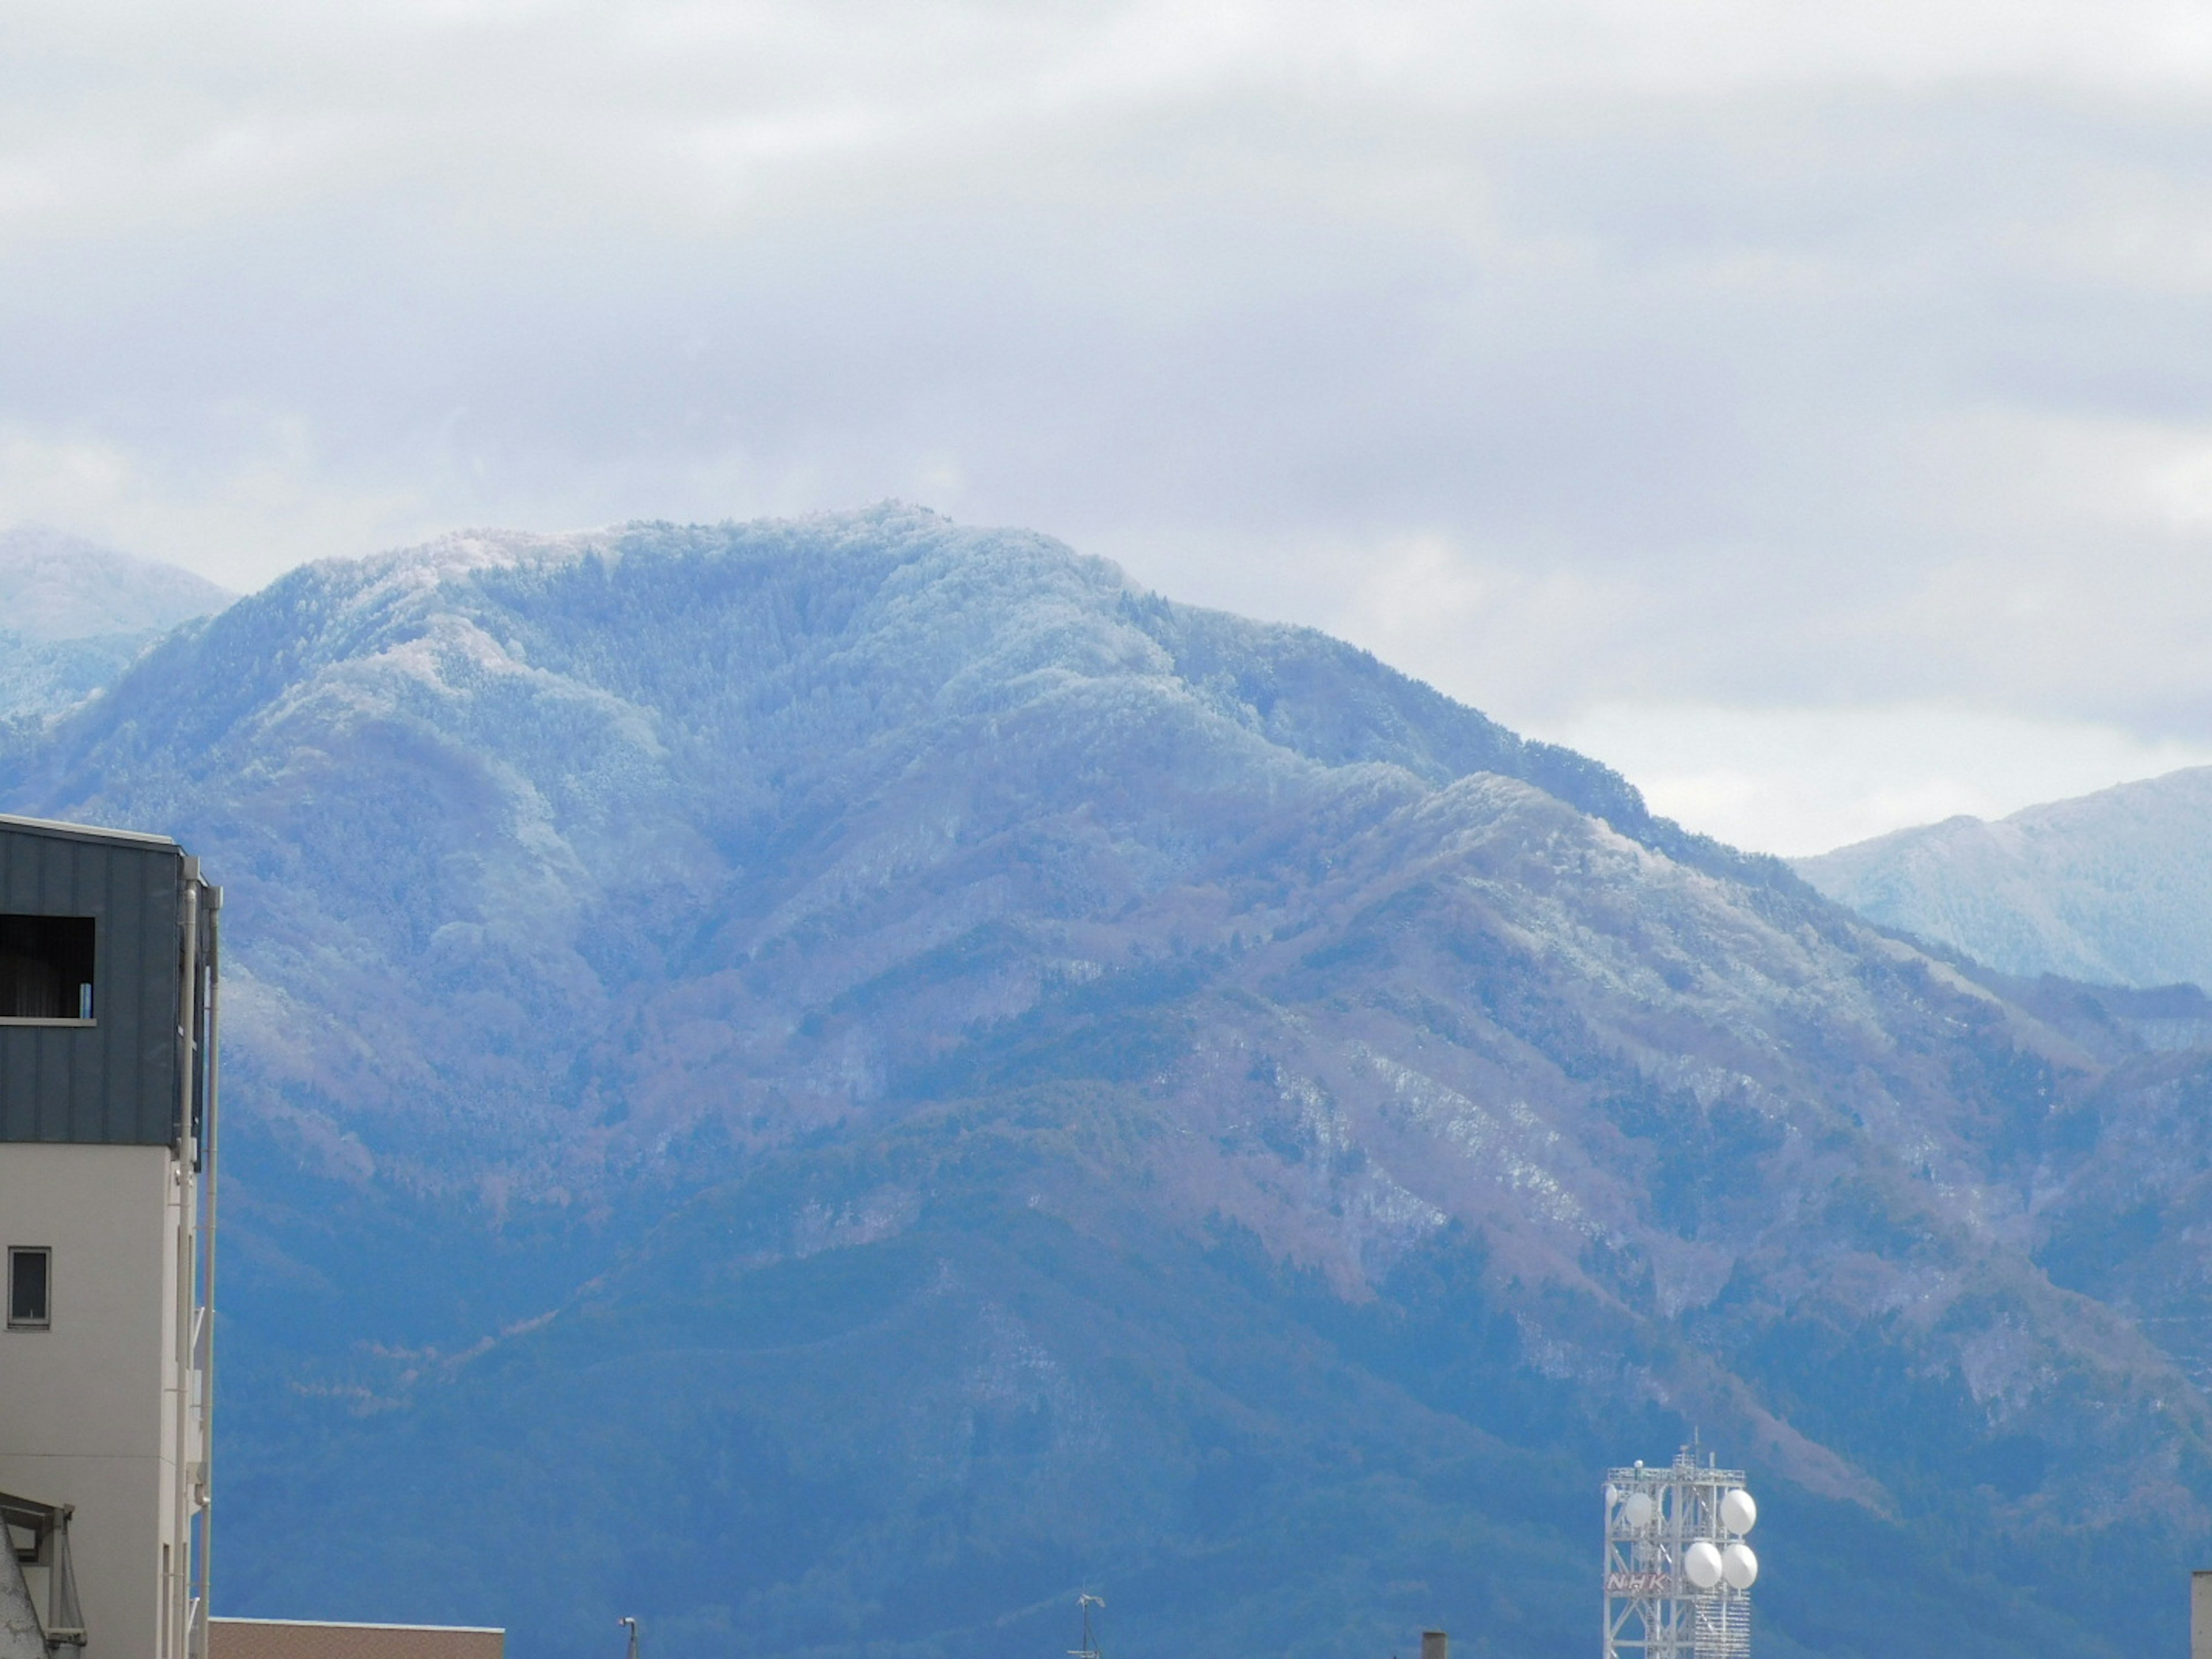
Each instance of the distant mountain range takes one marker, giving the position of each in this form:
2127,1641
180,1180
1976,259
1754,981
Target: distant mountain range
2115,887
58,586
830,1084
73,614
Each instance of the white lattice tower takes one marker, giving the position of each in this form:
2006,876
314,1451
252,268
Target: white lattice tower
1677,1573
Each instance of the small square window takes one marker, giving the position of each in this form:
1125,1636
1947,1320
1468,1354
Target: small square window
30,1287
46,967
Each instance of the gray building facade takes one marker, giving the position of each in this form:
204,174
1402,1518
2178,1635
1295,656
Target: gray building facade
99,1007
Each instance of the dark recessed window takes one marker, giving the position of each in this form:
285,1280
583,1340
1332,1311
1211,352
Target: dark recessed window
46,967
30,1287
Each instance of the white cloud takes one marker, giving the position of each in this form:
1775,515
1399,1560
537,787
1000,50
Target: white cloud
1794,781
271,509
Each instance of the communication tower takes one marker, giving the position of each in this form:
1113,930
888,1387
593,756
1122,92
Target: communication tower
1678,1574
1089,1648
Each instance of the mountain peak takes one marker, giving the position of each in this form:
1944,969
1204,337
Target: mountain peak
1003,1081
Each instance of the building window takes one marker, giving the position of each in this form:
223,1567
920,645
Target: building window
30,1287
46,967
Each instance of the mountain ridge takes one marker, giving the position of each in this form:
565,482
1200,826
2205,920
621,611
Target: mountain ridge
834,969
2112,888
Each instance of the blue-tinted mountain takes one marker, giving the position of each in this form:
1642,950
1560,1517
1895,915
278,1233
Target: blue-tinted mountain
2113,888
60,587
73,615
830,1084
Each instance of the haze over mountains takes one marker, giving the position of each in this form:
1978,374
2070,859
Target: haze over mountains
2114,887
831,1083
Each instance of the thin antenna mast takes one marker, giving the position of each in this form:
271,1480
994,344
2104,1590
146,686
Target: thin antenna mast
1089,1648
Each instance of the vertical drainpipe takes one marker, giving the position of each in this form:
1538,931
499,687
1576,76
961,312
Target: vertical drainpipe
176,1591
210,1141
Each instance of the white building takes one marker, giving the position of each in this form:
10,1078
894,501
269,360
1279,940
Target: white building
107,1089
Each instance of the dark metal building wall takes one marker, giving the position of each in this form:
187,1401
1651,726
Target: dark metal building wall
114,1081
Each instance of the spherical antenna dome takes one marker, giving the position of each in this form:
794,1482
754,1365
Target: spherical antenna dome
1612,1494
1636,1512
1739,1565
1702,1564
1738,1513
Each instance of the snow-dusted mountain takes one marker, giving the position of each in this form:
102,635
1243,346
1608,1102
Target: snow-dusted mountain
831,1083
74,614
56,586
2114,888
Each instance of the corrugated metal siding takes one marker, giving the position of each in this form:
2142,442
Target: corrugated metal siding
115,1081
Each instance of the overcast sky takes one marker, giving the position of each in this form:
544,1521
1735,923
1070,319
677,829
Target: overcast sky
1807,408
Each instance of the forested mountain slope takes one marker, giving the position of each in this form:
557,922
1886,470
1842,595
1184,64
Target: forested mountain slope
831,1083
2114,888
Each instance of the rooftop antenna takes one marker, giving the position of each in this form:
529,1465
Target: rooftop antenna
1089,1648
632,1624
